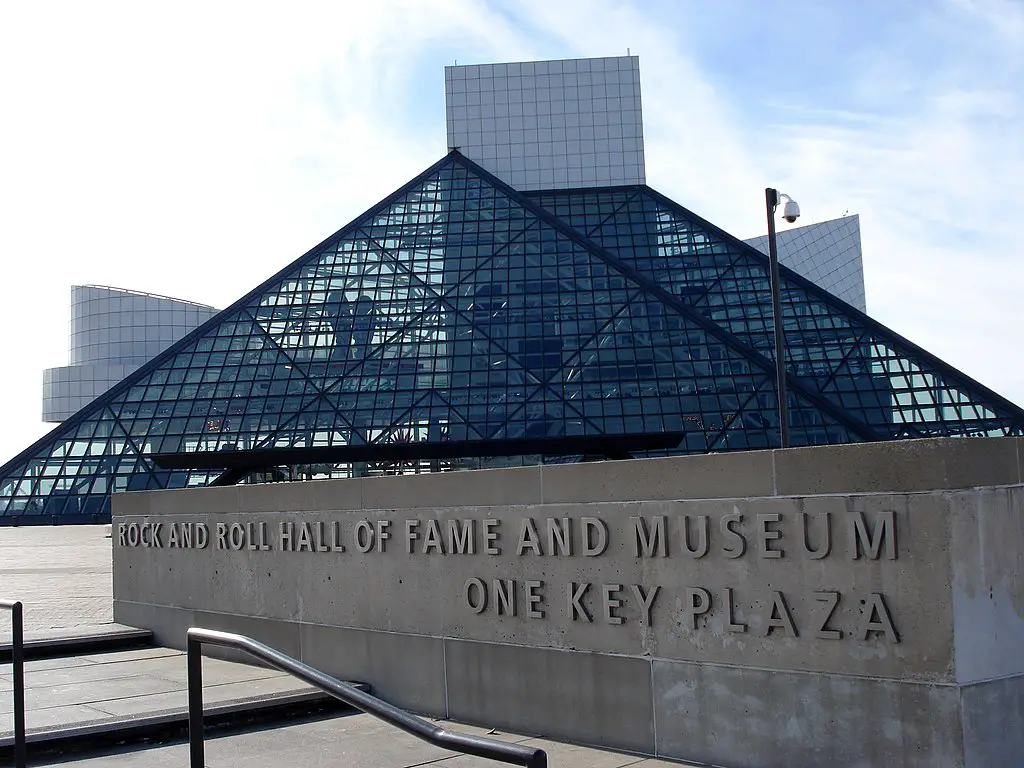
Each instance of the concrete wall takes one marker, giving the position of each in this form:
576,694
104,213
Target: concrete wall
857,605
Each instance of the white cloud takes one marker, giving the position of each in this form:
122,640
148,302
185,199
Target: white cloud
195,149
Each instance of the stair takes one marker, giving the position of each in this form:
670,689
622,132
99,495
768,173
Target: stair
86,691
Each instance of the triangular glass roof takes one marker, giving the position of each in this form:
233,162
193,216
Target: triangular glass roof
459,309
879,381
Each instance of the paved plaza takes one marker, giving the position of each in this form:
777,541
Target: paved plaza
61,573
354,741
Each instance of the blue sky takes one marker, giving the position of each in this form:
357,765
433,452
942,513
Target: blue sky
193,149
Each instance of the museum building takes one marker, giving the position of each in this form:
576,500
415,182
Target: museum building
523,299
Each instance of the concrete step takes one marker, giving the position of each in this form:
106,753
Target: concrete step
72,641
172,724
86,702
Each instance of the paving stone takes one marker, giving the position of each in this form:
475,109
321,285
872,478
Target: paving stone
62,575
354,740
53,717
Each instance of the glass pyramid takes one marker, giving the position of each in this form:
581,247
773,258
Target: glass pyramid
460,309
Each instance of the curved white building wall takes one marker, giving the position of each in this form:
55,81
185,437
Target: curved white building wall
113,331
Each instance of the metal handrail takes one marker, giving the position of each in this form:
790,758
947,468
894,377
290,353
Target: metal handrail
18,663
490,749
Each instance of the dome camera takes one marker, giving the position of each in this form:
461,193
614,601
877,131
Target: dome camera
791,212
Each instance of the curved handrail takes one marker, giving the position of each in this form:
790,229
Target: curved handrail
18,667
479,746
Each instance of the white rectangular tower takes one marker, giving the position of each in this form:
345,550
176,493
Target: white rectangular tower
549,124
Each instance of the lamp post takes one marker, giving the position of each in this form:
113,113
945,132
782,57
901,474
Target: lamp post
790,213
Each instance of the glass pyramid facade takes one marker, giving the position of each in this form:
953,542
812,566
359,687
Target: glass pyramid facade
461,309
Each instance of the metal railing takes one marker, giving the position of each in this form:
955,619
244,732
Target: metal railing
18,664
478,746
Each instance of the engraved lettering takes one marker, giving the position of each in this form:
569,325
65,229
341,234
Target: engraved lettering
382,534
286,533
411,535
698,602
595,536
649,543
133,534
831,600
504,597
576,608
730,612
766,535
610,601
222,536
202,535
826,545
646,601
305,538
779,616
873,542
738,543
528,538
236,536
461,538
336,545
702,535
432,541
173,541
559,537
320,541
476,595
363,537
122,534
875,617
492,537
534,599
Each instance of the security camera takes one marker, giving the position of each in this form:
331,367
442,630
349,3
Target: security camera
791,212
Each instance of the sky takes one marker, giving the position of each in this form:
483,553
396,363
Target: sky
192,149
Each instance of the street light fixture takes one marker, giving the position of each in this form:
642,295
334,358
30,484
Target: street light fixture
790,213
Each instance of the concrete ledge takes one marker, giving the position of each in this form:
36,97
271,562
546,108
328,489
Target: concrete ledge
904,465
899,466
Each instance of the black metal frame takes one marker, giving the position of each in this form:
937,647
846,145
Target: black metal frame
713,329
18,664
490,749
609,446
771,200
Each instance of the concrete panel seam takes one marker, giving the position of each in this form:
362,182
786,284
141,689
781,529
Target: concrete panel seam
986,680
788,671
444,675
519,507
654,707
775,477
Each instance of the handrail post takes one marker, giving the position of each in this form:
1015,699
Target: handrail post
18,665
18,662
194,658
